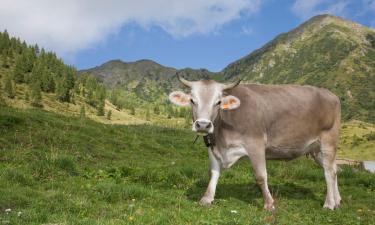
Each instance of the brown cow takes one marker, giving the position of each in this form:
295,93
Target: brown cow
265,122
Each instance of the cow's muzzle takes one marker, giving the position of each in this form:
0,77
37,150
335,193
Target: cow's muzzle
203,126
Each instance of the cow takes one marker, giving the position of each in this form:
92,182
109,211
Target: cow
263,122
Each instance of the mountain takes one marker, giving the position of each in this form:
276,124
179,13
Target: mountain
326,51
146,78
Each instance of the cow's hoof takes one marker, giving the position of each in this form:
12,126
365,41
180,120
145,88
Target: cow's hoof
269,207
337,203
205,201
329,206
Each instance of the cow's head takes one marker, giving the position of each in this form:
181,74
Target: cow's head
206,97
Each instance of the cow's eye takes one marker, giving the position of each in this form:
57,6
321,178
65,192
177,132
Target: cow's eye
192,101
218,103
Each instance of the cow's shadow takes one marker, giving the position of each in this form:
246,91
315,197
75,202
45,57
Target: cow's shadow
249,192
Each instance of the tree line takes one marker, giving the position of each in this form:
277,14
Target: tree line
43,71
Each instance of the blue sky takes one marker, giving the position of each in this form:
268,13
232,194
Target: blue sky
197,33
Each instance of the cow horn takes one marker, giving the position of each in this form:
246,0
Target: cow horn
232,85
185,82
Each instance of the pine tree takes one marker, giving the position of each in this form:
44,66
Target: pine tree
36,94
40,71
109,115
9,87
82,113
24,65
4,42
65,85
100,109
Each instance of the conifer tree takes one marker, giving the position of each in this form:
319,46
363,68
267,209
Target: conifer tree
36,94
109,115
9,87
24,65
100,109
4,42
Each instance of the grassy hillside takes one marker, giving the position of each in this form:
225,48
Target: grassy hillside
357,141
325,51
118,116
48,101
64,170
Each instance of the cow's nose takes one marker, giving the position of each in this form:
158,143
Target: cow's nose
204,125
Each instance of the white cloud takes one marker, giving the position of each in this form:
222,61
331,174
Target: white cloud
308,8
71,25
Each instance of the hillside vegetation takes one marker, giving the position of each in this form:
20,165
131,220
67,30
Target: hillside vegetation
28,73
144,85
326,51
33,78
64,170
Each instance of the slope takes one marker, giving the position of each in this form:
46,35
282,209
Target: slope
325,51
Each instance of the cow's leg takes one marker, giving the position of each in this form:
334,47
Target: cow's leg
258,162
329,141
214,172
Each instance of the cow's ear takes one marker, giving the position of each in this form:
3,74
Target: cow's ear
179,98
230,102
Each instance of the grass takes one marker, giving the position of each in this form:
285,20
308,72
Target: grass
357,141
56,169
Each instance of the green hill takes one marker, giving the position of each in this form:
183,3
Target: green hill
147,79
325,51
64,170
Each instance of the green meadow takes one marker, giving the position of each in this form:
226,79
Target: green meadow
57,169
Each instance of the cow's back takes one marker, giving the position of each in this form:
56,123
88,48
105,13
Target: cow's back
291,116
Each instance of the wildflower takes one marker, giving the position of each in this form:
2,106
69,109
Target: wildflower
131,218
133,199
8,210
19,213
234,211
